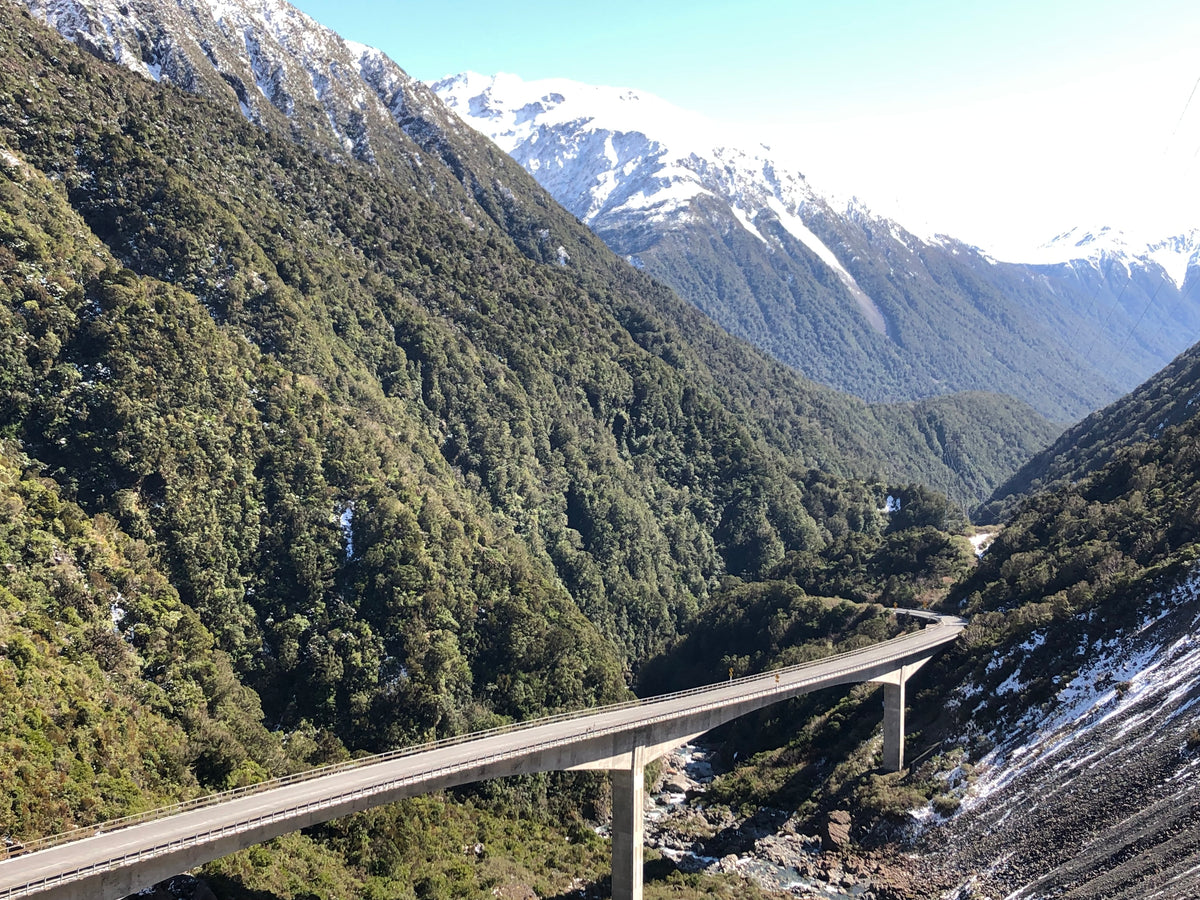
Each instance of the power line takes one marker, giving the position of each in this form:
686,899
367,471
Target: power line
1186,106
1116,305
1145,309
1080,319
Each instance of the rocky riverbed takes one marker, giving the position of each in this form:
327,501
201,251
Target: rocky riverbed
769,848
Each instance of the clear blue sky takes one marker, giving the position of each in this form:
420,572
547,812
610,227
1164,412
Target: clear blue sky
776,63
825,57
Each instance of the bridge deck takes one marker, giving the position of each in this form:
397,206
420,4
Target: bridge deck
122,857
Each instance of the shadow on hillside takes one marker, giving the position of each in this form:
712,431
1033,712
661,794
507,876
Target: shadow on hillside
654,870
224,888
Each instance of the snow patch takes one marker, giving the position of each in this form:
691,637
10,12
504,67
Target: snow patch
116,610
346,523
1112,685
797,229
980,542
744,219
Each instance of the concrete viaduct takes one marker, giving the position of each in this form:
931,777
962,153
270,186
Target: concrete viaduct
122,857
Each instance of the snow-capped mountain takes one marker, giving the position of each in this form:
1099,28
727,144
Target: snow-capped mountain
848,297
1179,255
281,67
1176,257
620,159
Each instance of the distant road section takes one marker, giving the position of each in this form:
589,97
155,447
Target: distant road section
122,857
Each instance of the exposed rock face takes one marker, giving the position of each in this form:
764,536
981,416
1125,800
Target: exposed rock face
1095,792
835,835
284,70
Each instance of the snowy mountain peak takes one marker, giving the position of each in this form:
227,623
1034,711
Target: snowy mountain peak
1178,255
629,162
525,106
281,67
1090,240
1175,255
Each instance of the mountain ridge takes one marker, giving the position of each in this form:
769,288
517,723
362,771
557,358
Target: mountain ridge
307,453
410,125
849,298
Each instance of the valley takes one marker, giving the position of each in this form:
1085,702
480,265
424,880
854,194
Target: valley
845,296
328,428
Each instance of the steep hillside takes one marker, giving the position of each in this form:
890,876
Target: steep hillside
113,697
356,451
1167,399
410,130
1053,748
1092,794
333,404
301,528
848,298
1076,687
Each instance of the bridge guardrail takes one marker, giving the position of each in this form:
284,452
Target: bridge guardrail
215,799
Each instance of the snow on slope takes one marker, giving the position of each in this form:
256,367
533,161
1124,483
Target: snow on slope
1177,255
1095,789
1174,255
618,157
269,55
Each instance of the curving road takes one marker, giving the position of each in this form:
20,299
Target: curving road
122,857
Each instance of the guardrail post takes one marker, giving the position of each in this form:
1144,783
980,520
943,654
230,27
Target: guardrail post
628,828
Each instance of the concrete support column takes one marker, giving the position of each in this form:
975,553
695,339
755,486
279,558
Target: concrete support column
893,725
628,828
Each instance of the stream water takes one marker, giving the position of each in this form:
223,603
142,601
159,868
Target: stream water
769,852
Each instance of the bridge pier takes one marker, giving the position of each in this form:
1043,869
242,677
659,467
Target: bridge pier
628,827
893,713
893,726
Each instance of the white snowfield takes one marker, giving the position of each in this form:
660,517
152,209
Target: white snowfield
120,858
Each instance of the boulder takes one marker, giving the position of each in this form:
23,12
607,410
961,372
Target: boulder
835,835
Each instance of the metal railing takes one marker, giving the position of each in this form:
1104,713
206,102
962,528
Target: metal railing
926,639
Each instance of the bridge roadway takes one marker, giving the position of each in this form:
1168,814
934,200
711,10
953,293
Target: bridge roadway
122,857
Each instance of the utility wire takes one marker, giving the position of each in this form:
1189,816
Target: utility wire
1116,305
1145,309
1186,106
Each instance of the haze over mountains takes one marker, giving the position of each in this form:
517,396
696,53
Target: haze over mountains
325,429
847,297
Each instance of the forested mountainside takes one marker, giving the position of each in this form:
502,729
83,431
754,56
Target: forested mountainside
1164,401
292,444
303,454
943,442
411,477
85,617
1054,746
847,297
